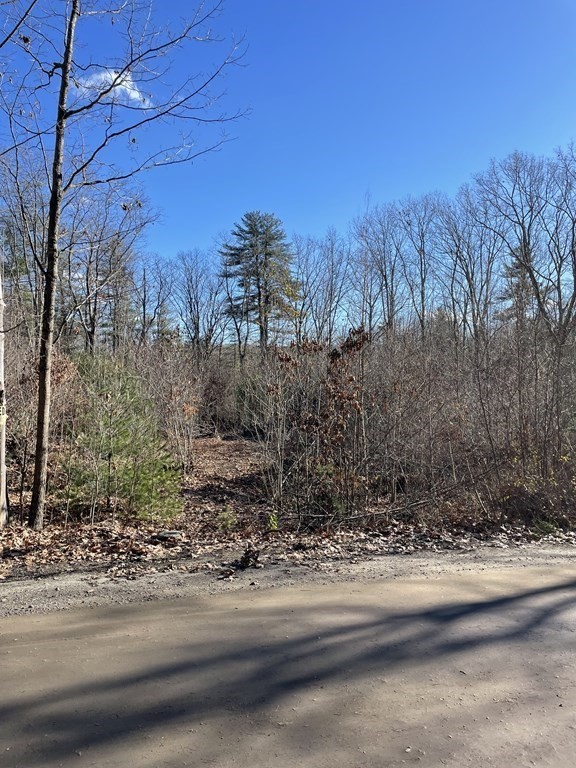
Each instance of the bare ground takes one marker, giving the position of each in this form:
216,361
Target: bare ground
214,574
218,644
416,660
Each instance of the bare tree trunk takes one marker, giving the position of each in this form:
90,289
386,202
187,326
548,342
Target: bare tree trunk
3,493
36,514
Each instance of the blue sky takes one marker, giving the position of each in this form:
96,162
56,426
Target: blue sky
352,103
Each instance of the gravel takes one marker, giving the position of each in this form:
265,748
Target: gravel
221,571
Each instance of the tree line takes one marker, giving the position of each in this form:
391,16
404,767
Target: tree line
421,360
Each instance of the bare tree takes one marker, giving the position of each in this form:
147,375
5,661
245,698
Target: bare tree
418,219
100,233
153,289
469,272
380,240
3,489
18,13
322,271
531,202
200,302
102,107
24,199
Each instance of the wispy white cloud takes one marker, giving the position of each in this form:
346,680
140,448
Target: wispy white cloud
124,89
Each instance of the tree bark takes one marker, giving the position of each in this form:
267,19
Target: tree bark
36,513
3,491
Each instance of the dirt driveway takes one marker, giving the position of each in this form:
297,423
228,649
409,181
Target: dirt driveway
459,668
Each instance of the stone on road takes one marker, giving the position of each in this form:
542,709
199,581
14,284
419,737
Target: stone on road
471,669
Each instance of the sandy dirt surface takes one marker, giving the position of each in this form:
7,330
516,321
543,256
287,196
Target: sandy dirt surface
456,658
78,589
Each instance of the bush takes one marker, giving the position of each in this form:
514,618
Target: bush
541,503
116,461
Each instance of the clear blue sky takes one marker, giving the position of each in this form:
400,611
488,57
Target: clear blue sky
371,100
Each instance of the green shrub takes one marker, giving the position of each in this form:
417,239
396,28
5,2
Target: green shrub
117,461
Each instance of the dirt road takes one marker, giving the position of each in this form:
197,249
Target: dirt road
460,668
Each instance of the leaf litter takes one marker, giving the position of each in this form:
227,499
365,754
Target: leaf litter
223,530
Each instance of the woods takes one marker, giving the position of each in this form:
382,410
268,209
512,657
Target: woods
417,361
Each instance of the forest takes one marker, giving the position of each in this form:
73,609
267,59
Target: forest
416,363
420,362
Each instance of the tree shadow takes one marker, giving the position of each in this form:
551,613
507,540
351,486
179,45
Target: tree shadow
251,661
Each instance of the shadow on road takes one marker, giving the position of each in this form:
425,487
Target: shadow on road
248,661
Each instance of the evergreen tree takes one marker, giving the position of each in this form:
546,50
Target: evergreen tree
257,269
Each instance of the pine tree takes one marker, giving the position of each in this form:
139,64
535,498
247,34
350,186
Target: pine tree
257,268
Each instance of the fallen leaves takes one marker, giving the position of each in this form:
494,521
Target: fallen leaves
223,531
127,550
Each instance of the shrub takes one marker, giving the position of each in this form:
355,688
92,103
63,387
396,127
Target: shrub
116,461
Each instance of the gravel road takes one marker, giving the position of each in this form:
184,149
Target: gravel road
95,588
459,659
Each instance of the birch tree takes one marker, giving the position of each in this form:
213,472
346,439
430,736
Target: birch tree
18,13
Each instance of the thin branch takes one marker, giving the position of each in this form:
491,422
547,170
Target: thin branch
18,24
